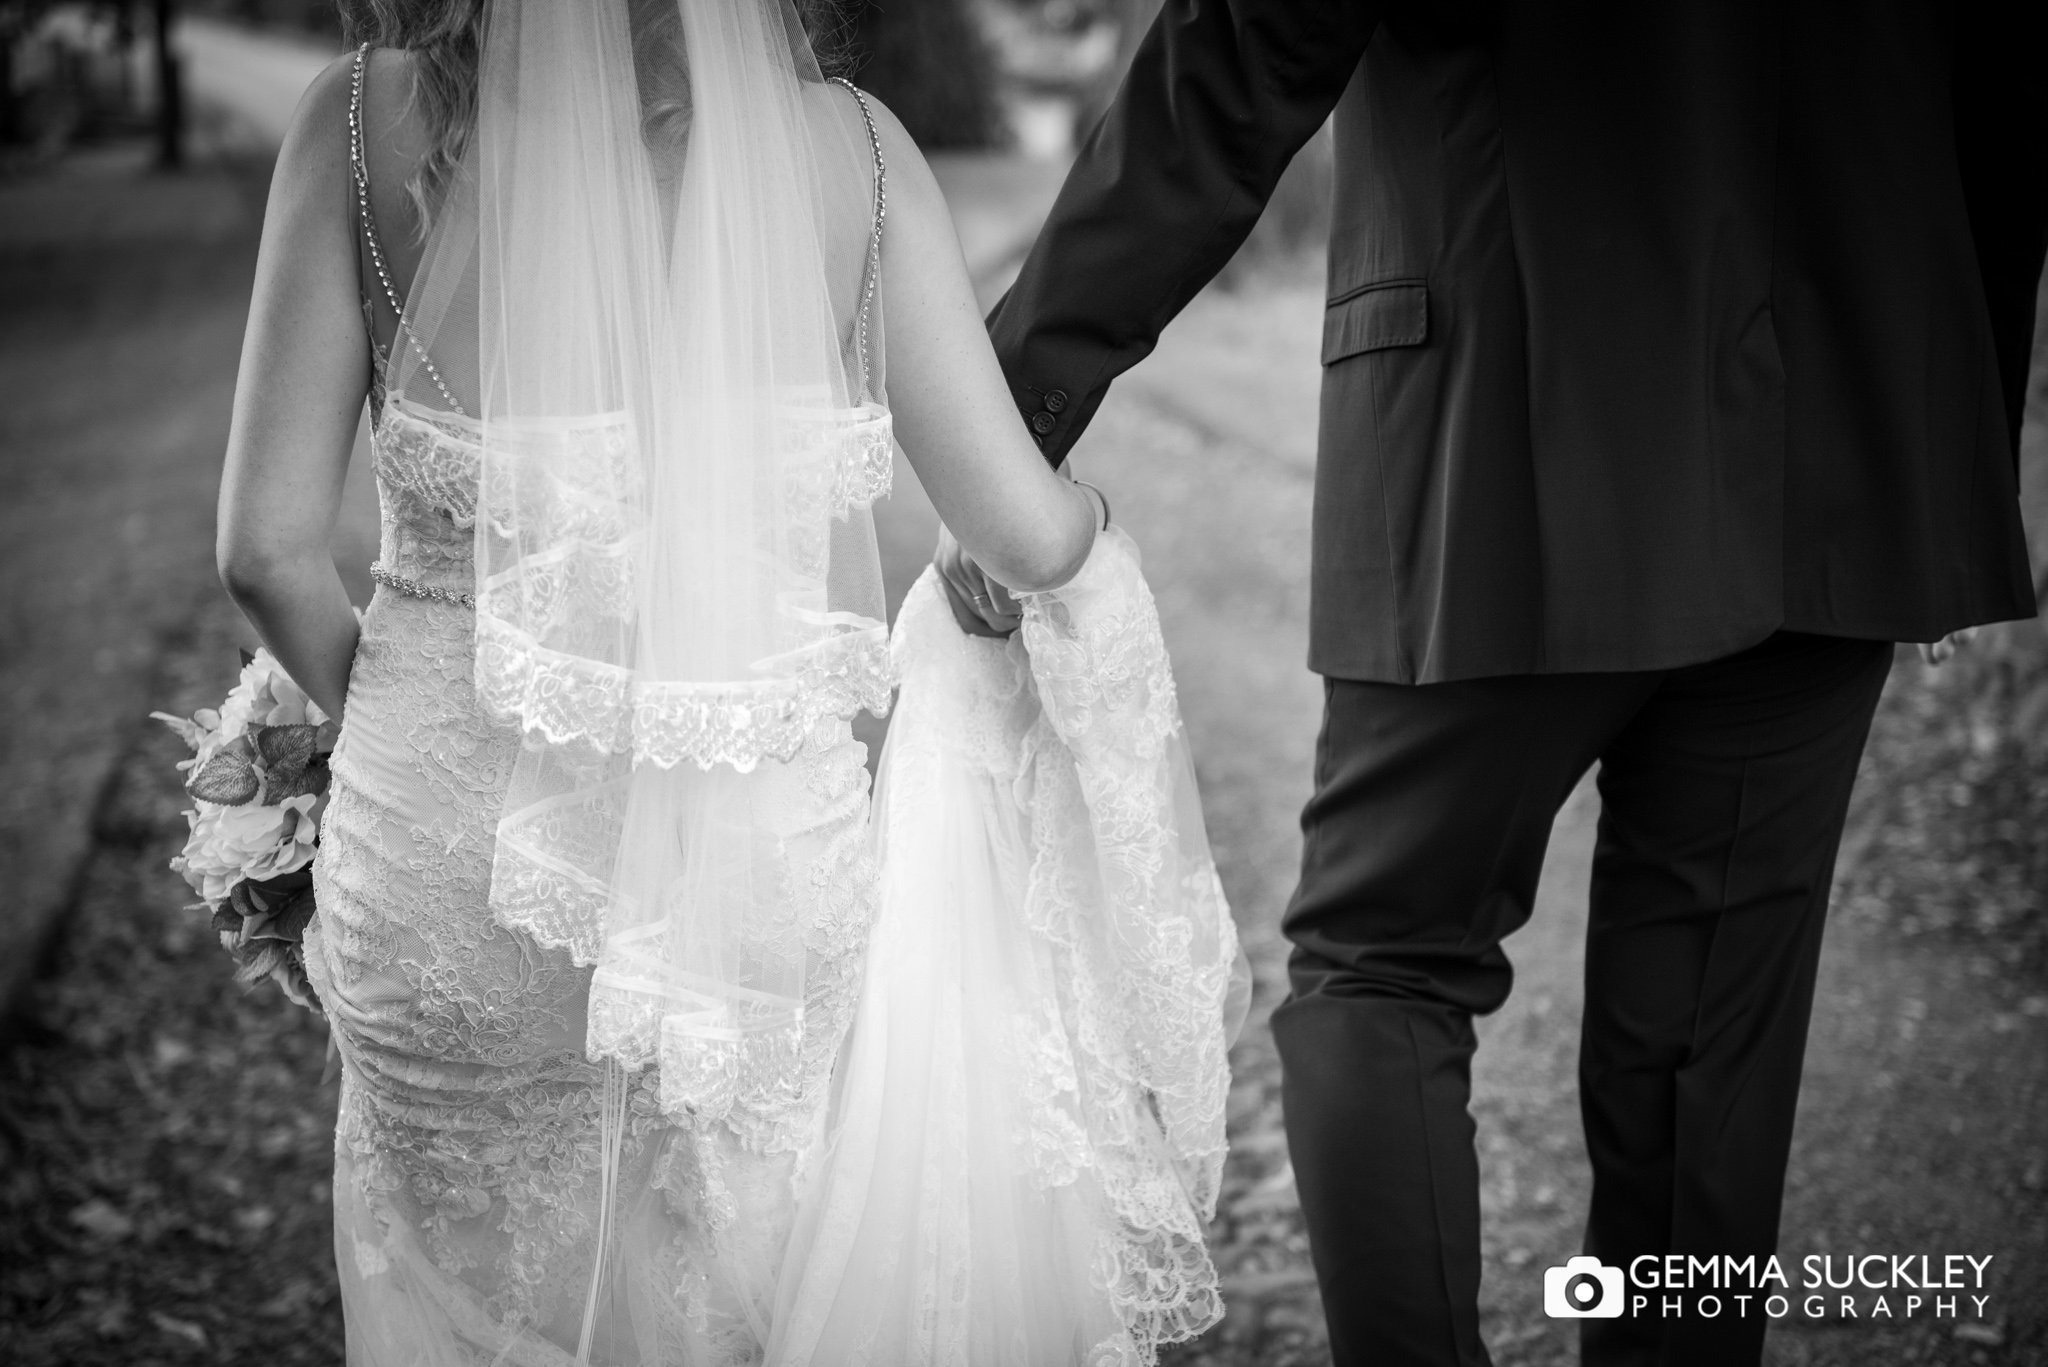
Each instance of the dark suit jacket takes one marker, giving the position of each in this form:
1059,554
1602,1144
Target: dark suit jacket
1653,327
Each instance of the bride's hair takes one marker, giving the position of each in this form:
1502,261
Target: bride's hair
445,40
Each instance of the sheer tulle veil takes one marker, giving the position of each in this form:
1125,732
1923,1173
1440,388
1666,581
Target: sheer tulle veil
657,252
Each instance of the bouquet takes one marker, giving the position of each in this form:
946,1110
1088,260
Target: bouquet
258,776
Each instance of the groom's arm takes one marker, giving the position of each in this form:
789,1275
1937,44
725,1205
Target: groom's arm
1219,97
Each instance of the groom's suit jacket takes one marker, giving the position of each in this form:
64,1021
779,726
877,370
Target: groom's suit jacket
1652,327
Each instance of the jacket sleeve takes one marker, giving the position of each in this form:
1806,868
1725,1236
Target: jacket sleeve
1219,97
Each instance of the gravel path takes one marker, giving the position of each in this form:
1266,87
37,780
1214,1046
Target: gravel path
168,1140
124,299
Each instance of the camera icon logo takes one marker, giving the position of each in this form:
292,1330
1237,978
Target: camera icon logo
1583,1289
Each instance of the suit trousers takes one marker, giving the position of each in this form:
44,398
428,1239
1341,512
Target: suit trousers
1724,787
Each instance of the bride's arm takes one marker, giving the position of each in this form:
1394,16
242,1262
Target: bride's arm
1027,526
305,369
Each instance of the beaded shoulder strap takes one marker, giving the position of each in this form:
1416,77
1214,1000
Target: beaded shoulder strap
359,169
873,273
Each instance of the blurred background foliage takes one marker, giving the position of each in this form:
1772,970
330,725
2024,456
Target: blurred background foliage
69,74
1953,821
930,62
1024,76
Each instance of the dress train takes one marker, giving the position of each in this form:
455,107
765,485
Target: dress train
1025,1132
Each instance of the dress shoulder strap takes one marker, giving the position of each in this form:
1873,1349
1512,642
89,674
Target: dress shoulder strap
359,171
872,275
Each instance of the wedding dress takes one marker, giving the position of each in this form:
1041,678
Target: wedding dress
624,1079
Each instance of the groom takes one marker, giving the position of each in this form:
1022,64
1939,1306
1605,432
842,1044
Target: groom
1674,357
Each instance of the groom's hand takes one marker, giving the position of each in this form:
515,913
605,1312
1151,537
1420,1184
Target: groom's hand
980,605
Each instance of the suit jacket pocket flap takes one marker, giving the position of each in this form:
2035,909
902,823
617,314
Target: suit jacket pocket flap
1393,314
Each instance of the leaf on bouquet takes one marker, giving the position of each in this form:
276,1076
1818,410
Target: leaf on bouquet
263,896
229,779
310,778
277,891
284,965
247,901
189,731
275,909
228,921
286,751
258,959
290,976
289,924
288,747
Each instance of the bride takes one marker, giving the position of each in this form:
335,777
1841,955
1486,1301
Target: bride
658,1046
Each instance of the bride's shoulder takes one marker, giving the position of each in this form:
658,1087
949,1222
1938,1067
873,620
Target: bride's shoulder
321,119
312,161
851,107
912,188
317,143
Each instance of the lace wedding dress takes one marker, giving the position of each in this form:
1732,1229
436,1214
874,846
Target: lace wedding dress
471,1168
991,1130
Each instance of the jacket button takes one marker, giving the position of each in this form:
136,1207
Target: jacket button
1056,401
1039,437
1041,423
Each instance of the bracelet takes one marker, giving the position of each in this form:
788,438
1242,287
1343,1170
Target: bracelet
1099,494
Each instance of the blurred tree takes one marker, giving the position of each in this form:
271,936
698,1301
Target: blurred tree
122,12
1297,218
1132,18
17,19
928,61
170,91
311,16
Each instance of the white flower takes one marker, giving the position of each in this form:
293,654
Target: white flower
230,844
301,834
237,711
280,701
264,696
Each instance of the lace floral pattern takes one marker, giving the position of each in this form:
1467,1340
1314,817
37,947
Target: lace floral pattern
427,484
572,699
466,1113
851,465
1152,963
558,597
430,459
548,875
759,1066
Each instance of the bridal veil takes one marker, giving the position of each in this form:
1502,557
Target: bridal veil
677,584
660,251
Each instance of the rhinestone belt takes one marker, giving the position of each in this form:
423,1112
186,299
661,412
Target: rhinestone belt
413,588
